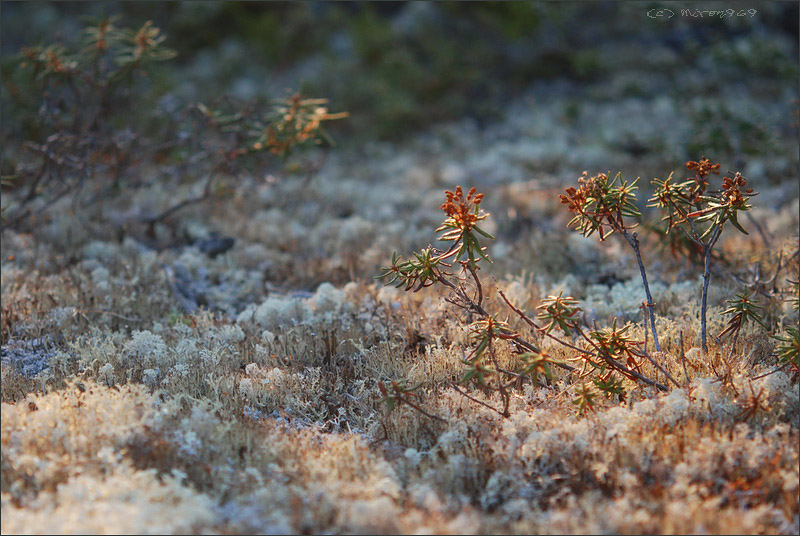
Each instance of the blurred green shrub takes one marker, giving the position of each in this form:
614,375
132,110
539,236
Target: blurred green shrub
89,116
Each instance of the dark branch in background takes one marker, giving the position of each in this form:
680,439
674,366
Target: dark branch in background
81,149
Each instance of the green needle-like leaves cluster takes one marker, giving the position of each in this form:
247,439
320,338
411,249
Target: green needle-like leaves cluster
482,334
559,311
788,347
741,309
688,204
616,344
417,273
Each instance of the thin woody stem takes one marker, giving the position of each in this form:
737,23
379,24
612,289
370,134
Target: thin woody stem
472,271
633,240
598,349
427,414
533,324
704,300
207,193
694,236
608,359
683,359
481,311
662,369
500,386
773,371
484,404
733,345
470,304
707,248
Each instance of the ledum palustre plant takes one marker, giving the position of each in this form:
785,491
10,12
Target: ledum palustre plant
604,353
601,205
293,122
78,92
82,128
702,214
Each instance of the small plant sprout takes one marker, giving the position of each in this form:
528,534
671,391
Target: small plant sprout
794,300
559,311
616,344
740,309
788,348
584,400
483,334
417,273
702,214
601,205
610,385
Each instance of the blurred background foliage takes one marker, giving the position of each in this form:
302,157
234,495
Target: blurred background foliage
401,66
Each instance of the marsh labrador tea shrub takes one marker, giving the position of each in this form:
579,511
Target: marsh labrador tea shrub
701,214
604,354
84,146
607,356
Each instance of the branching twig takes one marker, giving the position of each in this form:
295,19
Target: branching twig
613,363
405,400
773,371
207,193
484,404
683,359
662,369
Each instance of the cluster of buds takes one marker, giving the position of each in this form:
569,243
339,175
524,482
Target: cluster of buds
464,211
460,227
463,215
702,169
600,204
689,203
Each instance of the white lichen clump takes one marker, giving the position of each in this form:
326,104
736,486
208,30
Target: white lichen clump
147,346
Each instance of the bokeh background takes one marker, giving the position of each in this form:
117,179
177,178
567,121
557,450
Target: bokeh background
398,67
514,97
